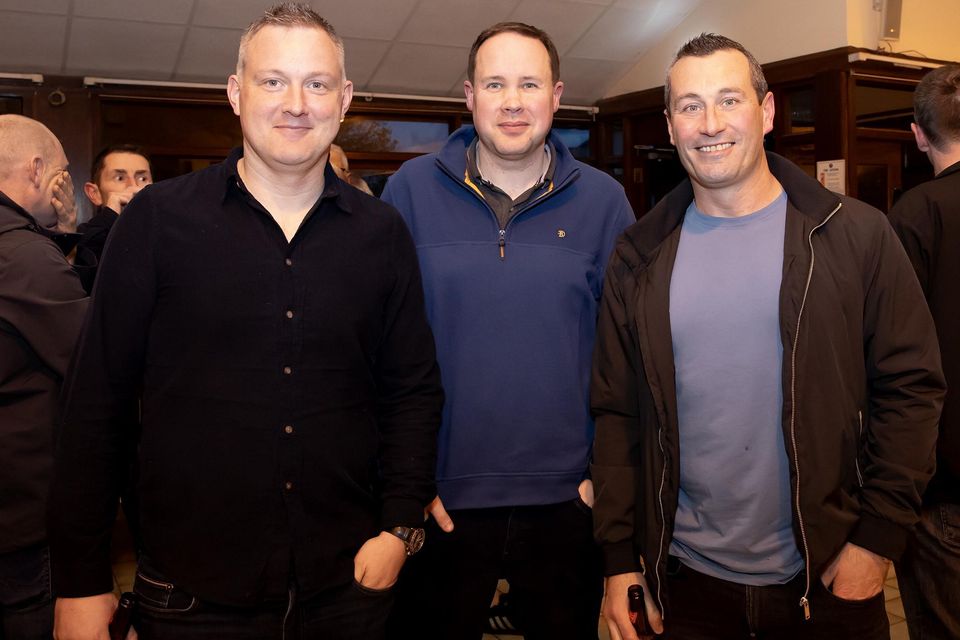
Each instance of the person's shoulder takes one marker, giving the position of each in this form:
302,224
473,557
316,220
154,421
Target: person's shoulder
597,179
416,168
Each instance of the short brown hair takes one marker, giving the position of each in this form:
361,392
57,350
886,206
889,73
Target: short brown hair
101,158
936,105
288,14
706,44
521,29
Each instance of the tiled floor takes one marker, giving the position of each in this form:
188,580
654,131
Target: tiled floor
124,567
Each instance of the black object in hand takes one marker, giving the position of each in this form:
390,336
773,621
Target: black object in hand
638,611
122,618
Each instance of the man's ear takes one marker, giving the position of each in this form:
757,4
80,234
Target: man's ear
35,171
468,94
93,194
922,143
233,93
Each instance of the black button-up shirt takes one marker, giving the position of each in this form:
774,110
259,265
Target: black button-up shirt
290,393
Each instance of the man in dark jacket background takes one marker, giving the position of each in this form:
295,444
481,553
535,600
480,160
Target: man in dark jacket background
766,385
927,219
41,309
119,172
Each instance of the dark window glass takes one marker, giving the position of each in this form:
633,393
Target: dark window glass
884,107
369,135
577,139
11,104
802,103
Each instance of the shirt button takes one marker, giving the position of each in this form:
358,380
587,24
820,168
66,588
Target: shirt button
287,371
288,429
288,485
289,313
288,262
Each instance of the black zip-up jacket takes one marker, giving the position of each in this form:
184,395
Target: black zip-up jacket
862,385
927,219
41,309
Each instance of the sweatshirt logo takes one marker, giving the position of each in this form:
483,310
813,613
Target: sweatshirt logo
561,233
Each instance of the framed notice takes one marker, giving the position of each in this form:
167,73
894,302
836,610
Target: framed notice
833,175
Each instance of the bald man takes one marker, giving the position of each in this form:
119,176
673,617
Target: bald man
41,307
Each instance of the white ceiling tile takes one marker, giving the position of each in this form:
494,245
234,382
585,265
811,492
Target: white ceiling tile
230,14
620,34
168,11
59,7
108,46
416,68
363,59
209,53
564,21
587,80
32,42
454,23
370,19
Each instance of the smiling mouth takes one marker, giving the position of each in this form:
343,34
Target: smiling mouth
715,147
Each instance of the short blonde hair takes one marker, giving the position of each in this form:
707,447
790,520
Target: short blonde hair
289,14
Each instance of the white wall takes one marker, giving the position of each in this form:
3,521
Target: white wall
779,29
928,27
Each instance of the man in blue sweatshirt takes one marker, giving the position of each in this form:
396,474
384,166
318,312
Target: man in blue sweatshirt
513,236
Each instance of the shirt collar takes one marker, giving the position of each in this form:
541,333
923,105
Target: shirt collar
332,186
473,169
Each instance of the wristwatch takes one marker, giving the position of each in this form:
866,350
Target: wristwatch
412,538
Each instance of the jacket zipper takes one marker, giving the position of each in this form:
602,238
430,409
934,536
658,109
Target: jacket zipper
856,458
502,242
804,599
663,522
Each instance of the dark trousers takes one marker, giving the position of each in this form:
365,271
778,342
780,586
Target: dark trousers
547,554
26,605
706,608
929,575
165,612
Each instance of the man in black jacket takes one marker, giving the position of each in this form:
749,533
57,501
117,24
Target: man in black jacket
766,386
271,320
119,172
41,308
927,219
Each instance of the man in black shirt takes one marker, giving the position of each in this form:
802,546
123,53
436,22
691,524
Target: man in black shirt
927,219
119,172
273,321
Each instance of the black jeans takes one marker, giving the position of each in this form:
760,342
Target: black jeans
707,608
929,575
165,612
547,554
26,605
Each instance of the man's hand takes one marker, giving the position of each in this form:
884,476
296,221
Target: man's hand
856,573
616,611
64,203
586,492
85,618
378,563
120,199
435,509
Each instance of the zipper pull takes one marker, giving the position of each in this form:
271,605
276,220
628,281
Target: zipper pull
806,607
502,241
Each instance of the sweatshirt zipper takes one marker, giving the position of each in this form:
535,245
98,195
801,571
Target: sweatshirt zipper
804,599
502,241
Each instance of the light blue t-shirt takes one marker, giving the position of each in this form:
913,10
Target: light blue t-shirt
734,515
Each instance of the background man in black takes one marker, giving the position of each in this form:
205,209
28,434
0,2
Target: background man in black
119,172
274,320
927,219
41,309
